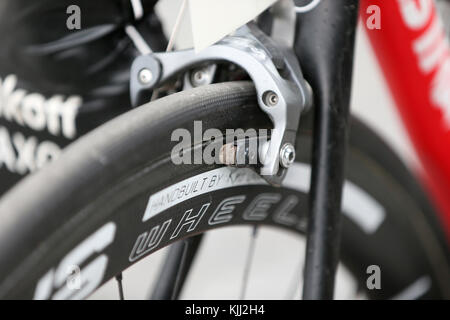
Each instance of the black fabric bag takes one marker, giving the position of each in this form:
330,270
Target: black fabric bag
58,83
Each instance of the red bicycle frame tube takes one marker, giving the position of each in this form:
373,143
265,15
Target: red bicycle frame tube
414,54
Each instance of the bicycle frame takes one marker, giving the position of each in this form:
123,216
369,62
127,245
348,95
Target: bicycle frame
414,53
325,45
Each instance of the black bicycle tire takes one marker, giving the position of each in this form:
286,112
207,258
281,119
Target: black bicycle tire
50,212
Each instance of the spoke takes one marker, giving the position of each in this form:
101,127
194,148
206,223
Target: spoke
119,284
248,262
295,286
172,39
179,274
175,269
176,27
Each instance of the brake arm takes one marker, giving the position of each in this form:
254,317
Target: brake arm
282,98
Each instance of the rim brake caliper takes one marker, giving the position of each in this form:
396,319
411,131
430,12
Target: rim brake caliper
282,92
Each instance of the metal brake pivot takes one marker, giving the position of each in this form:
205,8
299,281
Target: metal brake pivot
282,92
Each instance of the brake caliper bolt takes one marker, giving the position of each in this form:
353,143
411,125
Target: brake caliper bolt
287,155
200,77
270,98
145,76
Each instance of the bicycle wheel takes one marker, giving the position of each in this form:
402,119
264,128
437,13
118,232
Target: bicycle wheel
115,196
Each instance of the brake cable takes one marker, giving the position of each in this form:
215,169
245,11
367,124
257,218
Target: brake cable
308,7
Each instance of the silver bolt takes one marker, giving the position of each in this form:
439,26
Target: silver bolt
270,98
145,76
200,77
287,155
